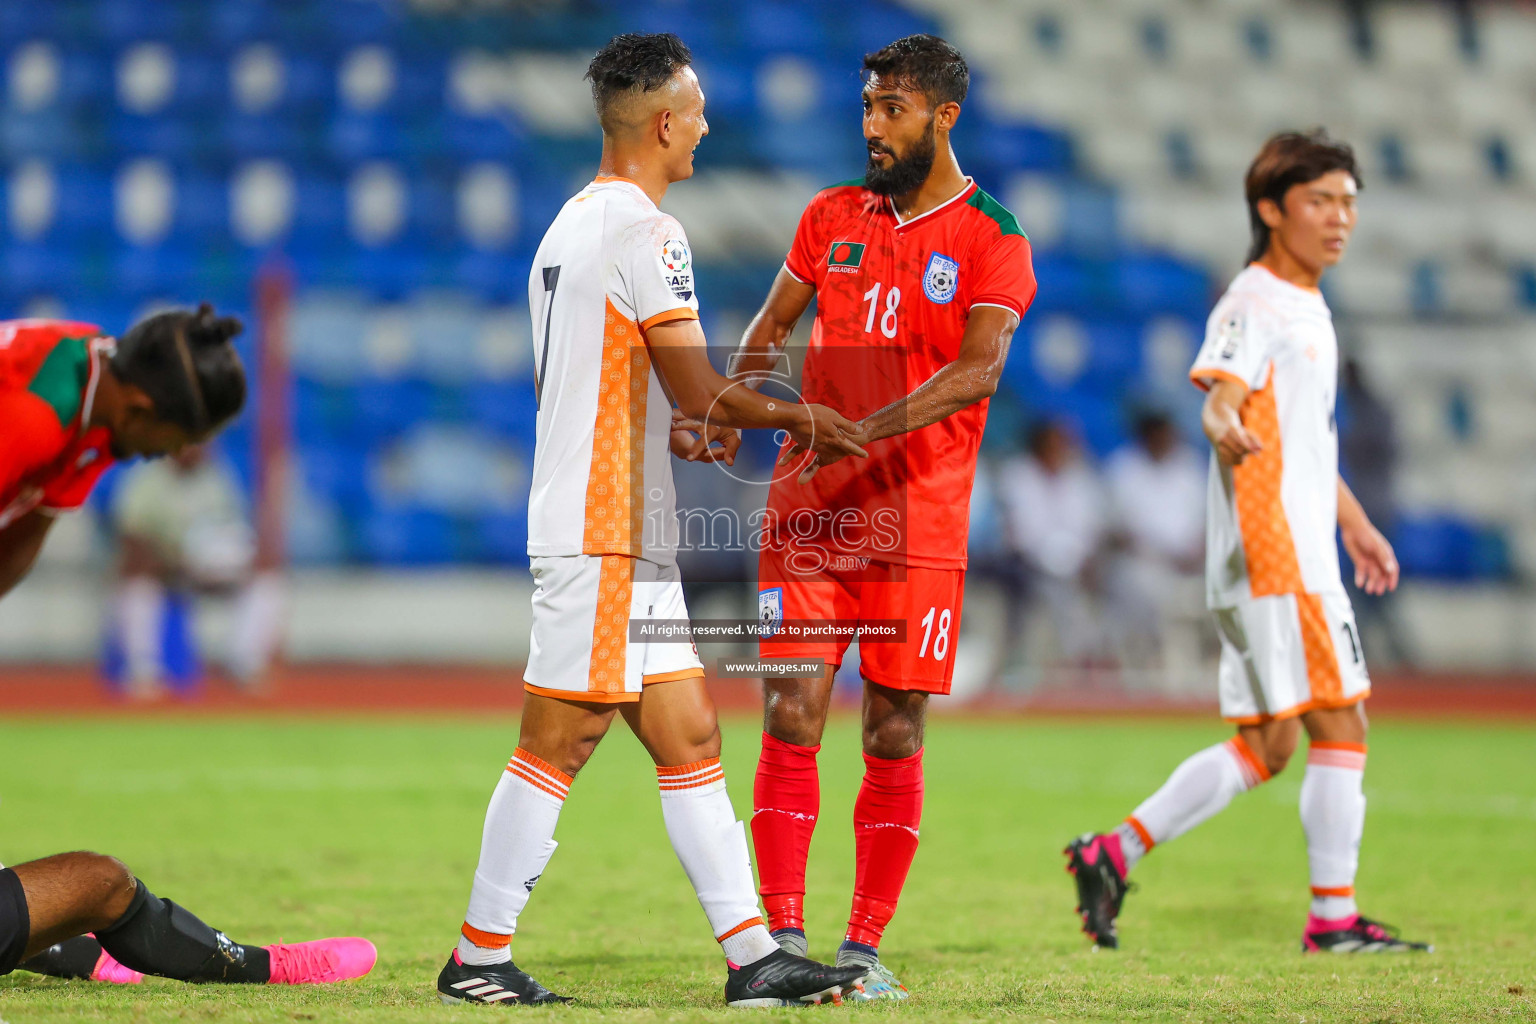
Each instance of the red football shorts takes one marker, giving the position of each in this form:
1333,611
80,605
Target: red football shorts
926,602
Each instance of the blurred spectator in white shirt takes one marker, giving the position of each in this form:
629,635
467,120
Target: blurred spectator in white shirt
1157,504
182,527
1053,509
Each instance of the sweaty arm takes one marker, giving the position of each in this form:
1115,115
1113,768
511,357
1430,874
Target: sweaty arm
1221,419
766,336
971,377
678,350
19,544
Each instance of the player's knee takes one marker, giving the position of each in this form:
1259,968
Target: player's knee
1275,760
794,720
105,885
893,736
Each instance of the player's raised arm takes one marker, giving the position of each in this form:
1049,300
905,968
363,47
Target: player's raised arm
762,346
705,397
1221,419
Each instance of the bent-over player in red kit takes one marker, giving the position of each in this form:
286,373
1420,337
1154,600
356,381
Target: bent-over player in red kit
920,279
72,402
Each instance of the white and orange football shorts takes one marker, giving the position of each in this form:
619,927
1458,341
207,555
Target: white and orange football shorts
1288,654
583,609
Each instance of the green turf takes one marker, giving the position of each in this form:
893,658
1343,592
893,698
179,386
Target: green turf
296,829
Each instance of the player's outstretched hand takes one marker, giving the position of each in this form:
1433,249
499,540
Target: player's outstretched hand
697,441
828,436
1376,570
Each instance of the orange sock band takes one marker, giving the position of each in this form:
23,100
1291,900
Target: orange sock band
485,940
1147,842
540,774
690,776
1248,762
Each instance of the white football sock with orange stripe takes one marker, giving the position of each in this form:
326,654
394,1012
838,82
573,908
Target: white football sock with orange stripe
1198,788
712,846
514,848
1333,815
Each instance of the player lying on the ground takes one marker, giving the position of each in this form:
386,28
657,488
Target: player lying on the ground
920,279
611,291
73,401
47,906
1290,653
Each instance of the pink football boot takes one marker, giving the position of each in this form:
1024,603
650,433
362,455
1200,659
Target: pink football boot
114,973
321,961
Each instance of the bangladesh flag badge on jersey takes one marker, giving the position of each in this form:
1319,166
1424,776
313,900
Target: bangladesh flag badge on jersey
845,257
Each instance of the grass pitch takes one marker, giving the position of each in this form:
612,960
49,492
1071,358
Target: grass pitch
299,828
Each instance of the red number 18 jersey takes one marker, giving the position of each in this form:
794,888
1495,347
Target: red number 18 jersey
892,301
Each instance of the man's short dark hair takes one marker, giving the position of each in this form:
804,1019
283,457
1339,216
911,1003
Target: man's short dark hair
185,362
1289,159
631,64
922,63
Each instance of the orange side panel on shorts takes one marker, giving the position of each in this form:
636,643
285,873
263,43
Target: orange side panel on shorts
615,483
1322,658
1267,543
610,627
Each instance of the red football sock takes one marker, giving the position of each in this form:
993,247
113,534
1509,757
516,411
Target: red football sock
885,820
786,798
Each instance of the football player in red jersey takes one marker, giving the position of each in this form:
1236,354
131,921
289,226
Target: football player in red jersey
920,279
73,401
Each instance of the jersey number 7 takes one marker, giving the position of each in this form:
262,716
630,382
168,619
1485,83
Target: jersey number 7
551,282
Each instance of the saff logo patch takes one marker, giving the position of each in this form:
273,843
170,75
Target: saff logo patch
770,611
677,267
941,279
845,257
1229,335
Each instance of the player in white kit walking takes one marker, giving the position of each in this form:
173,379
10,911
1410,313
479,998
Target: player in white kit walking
1290,652
617,342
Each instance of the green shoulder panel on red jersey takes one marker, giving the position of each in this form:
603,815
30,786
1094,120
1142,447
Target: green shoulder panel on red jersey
60,380
850,183
1004,218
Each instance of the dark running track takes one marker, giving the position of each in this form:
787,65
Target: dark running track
422,689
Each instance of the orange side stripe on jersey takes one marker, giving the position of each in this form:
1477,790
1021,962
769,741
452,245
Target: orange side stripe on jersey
1317,645
1336,890
615,506
610,626
1147,842
485,940
672,677
1200,378
1268,546
681,313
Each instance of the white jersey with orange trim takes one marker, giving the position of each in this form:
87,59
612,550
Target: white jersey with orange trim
610,267
1272,522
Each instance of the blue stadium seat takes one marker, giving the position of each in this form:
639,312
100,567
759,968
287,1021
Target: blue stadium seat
1065,283
127,21
171,137
867,27
353,137
501,538
160,272
28,269
408,536
388,408
256,136
480,138
50,134
229,23
337,472
32,20
1097,419
781,26
85,79
1449,548
506,407
1147,284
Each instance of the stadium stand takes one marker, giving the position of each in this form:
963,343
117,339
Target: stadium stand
404,160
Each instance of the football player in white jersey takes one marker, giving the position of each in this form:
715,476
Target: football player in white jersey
1290,653
617,341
